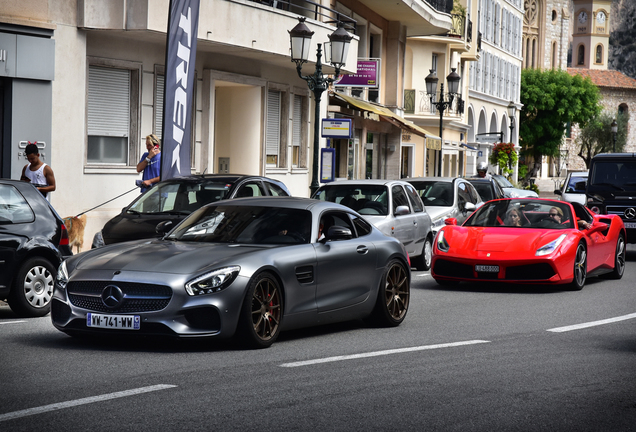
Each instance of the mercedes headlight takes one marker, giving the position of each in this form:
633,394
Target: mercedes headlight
213,281
62,276
550,247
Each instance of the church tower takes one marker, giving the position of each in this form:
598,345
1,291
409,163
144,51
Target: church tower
590,36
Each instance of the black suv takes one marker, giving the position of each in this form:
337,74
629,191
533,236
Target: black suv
33,243
170,201
611,188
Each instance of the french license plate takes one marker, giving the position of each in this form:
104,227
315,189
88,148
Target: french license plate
486,268
122,322
630,224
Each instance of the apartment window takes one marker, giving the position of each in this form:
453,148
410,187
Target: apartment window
273,127
599,54
113,107
581,56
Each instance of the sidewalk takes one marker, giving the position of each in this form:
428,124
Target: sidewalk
547,186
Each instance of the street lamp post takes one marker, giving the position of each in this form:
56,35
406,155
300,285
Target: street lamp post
431,88
512,109
614,126
300,37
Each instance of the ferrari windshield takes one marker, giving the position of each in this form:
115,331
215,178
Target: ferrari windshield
520,213
245,225
179,197
435,193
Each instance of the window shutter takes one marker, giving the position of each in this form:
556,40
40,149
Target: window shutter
297,120
159,105
273,123
108,102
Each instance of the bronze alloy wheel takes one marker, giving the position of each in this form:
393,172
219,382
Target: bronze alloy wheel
266,308
397,291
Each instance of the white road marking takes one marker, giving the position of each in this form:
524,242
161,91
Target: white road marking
12,322
592,324
381,353
84,401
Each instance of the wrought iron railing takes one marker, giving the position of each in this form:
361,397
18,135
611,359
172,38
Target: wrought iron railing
459,25
312,10
441,5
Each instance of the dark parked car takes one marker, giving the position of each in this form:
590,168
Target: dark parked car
488,189
33,243
250,267
174,199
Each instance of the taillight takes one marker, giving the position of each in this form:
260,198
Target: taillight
64,237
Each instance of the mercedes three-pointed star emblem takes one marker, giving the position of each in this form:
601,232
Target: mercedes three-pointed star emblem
112,296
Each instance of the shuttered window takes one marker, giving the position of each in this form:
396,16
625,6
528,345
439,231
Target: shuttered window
108,115
297,124
159,105
272,141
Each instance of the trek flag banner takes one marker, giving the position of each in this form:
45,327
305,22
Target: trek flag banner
183,23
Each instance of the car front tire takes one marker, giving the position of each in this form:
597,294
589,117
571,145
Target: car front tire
262,312
580,268
32,288
394,296
423,261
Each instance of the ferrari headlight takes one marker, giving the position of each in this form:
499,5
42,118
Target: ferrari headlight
442,244
62,276
213,281
550,247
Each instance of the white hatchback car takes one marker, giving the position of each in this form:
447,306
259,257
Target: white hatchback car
573,189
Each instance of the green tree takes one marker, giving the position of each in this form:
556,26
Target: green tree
551,99
597,136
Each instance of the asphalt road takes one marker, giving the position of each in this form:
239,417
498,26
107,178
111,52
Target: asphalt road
472,358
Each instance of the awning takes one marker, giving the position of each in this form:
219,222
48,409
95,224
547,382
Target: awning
386,115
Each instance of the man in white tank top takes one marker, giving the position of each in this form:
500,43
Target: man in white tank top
37,172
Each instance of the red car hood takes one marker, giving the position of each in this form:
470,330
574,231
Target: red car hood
477,241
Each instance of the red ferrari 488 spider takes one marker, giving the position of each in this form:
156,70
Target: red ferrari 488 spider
530,241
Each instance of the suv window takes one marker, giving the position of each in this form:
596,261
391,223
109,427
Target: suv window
399,198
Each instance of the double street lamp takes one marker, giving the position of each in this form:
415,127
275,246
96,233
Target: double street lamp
336,55
431,89
614,126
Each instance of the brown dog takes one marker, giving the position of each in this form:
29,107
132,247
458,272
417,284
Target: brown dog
75,227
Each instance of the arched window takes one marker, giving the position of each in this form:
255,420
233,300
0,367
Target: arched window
553,55
599,54
581,57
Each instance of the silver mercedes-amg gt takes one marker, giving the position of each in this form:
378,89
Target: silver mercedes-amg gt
249,266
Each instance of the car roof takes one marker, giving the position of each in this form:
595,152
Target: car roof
300,203
363,182
614,156
227,178
578,174
435,179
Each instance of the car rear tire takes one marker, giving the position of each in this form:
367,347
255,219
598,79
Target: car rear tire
32,288
262,312
580,268
394,296
619,259
423,261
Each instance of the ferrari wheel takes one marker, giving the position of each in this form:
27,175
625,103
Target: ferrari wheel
580,268
423,262
33,288
262,312
619,259
393,296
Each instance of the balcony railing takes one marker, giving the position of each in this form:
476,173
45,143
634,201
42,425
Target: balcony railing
441,5
459,26
312,10
469,35
417,102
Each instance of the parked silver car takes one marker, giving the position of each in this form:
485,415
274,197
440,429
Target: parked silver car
573,189
393,206
447,197
511,191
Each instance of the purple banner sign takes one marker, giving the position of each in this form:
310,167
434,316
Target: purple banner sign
368,76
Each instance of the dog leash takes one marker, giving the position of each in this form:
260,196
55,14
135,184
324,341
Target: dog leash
135,188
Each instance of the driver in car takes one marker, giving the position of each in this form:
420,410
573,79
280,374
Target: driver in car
557,215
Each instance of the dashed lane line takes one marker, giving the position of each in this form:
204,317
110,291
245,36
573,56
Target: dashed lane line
84,401
381,353
592,323
12,322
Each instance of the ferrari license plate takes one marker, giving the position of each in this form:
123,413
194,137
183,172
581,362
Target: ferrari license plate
630,224
121,322
486,268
